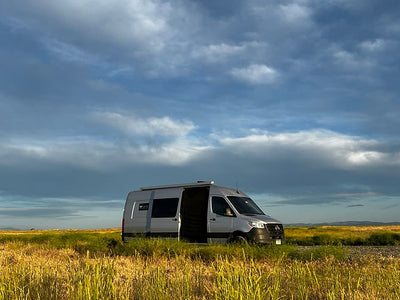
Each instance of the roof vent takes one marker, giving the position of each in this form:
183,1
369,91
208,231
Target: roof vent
203,181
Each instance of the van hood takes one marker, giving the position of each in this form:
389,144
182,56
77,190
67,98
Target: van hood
263,218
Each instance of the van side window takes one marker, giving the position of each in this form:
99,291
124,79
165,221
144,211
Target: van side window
164,208
143,206
221,207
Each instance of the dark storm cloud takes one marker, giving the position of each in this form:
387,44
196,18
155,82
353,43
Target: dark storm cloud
298,163
321,71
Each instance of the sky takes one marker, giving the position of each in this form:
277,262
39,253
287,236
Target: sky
294,102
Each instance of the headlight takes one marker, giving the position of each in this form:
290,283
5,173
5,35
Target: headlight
256,224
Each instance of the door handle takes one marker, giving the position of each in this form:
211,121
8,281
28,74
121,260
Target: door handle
175,219
212,219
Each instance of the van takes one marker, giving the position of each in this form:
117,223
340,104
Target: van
199,213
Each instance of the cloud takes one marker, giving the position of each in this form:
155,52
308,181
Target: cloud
134,125
70,53
255,74
214,53
312,164
126,22
301,168
43,212
320,149
328,198
374,45
151,35
96,154
295,13
15,24
220,52
149,140
327,147
350,61
161,39
163,77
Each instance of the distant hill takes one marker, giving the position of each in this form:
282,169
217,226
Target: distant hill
345,223
9,228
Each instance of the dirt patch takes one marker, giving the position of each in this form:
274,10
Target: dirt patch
355,252
376,251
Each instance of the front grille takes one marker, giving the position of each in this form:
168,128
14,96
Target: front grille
274,229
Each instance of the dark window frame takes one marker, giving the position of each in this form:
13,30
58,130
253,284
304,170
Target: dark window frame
245,205
223,214
165,207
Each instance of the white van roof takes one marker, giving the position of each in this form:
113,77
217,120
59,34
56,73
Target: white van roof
194,184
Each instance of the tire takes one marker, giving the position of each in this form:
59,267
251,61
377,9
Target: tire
238,240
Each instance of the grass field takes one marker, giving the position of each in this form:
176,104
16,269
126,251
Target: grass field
95,264
344,235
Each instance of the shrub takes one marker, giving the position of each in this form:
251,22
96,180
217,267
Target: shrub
384,238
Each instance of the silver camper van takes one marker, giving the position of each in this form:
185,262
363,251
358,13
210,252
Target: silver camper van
198,212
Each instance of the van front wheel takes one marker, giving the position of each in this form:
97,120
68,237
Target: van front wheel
238,240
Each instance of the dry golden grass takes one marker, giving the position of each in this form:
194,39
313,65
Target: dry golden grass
345,232
37,269
31,272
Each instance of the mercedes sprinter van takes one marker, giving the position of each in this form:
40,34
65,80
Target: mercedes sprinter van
198,212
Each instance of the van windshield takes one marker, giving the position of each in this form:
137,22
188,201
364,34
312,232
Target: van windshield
245,205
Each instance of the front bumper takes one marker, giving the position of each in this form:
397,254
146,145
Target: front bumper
271,233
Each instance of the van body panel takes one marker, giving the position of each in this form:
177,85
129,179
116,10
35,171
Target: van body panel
199,212
220,225
164,213
135,212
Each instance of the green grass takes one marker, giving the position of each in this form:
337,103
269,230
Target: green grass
343,235
109,243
